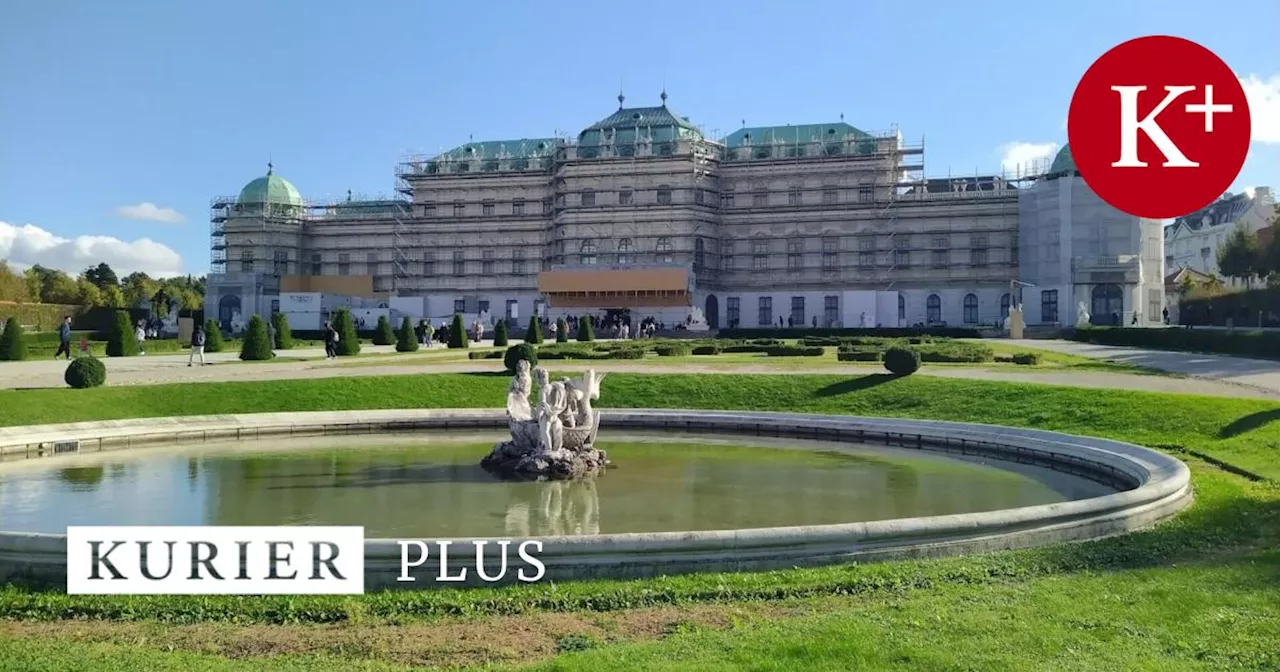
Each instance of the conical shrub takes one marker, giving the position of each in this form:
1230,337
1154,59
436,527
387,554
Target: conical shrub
212,337
284,336
256,346
121,342
384,334
585,331
407,339
348,341
458,333
500,334
13,345
533,335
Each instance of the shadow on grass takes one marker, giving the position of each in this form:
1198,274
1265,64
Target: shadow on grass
855,384
503,373
1249,423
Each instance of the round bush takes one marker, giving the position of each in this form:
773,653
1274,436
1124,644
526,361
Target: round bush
500,334
407,338
256,346
384,334
901,361
212,337
1026,358
13,347
121,342
284,336
519,351
458,333
85,372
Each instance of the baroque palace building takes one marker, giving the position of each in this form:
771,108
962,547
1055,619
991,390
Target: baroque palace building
814,224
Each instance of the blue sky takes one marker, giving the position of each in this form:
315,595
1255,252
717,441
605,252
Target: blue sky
112,105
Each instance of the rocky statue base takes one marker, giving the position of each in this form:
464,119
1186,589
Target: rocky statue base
554,441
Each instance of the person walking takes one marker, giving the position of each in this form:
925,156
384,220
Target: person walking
330,341
64,338
141,335
197,346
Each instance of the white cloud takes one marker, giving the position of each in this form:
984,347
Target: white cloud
151,212
25,246
1024,156
1264,107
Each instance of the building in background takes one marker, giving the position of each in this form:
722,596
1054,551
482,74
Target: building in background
812,224
1193,241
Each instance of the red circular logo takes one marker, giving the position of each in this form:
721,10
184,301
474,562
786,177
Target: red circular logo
1159,127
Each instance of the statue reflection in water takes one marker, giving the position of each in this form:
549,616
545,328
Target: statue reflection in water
554,508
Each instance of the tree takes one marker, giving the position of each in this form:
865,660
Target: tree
348,342
138,287
458,333
121,342
533,335
257,342
500,334
585,331
384,334
101,276
87,293
562,331
112,297
284,335
212,336
50,286
1240,256
13,286
406,338
13,346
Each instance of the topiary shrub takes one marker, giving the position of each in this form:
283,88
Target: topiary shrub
384,334
256,346
562,331
794,351
586,332
519,351
707,350
121,342
348,344
458,333
284,337
212,337
672,350
858,356
484,354
13,346
407,339
500,334
533,334
85,372
1026,358
901,361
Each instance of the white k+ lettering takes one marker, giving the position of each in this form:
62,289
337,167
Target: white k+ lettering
1130,125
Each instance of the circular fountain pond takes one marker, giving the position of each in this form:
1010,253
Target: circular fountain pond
409,486
690,491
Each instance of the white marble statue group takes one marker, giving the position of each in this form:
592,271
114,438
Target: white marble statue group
555,439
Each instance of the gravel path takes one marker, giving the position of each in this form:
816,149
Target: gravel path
1235,378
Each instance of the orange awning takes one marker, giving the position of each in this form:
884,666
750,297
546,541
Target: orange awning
608,281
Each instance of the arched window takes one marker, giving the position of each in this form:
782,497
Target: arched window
588,253
970,309
624,251
1005,302
664,251
698,253
1107,304
902,310
933,309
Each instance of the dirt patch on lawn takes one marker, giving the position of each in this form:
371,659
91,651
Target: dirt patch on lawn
450,643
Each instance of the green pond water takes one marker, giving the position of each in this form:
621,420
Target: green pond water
422,486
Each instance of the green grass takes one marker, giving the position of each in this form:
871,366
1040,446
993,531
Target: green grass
1243,432
1201,591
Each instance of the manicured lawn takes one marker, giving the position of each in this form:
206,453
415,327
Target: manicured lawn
1199,592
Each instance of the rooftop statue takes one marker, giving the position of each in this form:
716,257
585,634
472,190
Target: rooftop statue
554,440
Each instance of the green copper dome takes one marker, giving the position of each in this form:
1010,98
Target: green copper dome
1063,163
270,189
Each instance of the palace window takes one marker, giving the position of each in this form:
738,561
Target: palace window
902,309
829,261
246,261
759,247
487,209
867,243
795,196
315,264
517,261
459,306
517,207
933,309
795,262
830,310
664,195
732,308
1049,305
486,262
625,196
1005,299
902,259
970,309
588,253
281,262
978,257
939,243
764,316
760,198
664,251
344,264
797,310
830,245
624,251
371,261
699,253
428,209
940,258
830,196
760,262
902,242
864,194
459,209
588,197
867,259
459,262
726,199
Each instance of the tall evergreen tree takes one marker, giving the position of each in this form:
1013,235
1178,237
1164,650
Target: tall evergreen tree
533,335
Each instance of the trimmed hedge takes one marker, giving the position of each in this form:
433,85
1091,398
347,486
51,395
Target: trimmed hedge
706,350
13,345
1241,343
1026,358
500,334
486,354
586,332
407,339
348,344
458,333
383,334
517,352
212,336
122,342
804,332
283,336
954,352
533,334
85,372
901,361
39,315
858,356
256,346
672,350
794,351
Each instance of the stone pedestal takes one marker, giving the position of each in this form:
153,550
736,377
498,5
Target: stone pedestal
1016,323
